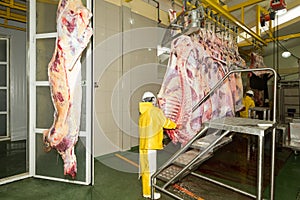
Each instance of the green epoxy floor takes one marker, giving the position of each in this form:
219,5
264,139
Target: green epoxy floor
111,184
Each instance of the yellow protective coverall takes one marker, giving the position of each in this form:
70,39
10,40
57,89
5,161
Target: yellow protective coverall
248,102
151,124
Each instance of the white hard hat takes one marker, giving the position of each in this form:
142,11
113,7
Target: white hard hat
148,95
250,92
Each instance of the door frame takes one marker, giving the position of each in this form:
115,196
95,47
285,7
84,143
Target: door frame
33,84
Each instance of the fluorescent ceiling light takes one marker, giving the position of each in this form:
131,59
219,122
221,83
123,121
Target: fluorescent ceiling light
281,12
131,21
286,54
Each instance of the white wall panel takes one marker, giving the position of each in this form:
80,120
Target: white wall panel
120,52
18,84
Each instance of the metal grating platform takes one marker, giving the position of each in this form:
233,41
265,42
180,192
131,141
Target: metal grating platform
169,172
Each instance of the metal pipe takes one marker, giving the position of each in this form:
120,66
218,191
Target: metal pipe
272,165
225,77
223,184
258,20
260,166
216,7
274,95
157,6
243,14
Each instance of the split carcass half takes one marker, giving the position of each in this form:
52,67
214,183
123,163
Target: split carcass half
192,72
64,71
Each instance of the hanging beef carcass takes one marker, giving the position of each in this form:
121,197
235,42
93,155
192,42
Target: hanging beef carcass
64,71
193,70
180,90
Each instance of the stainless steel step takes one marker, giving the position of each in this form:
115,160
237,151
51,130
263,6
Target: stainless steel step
169,172
204,142
185,158
182,160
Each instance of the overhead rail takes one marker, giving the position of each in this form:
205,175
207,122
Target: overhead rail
196,17
222,11
196,13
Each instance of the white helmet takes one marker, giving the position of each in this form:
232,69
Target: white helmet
149,97
250,92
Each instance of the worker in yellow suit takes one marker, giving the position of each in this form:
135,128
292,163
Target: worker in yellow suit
248,102
151,124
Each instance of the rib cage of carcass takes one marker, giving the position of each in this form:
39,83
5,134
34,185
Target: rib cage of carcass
195,65
64,71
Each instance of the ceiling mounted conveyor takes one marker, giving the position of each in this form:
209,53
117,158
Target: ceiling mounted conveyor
215,6
196,12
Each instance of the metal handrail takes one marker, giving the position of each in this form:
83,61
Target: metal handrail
218,84
196,158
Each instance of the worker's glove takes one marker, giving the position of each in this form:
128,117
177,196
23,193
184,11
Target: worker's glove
179,126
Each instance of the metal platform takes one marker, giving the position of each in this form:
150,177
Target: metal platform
171,172
200,148
241,125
